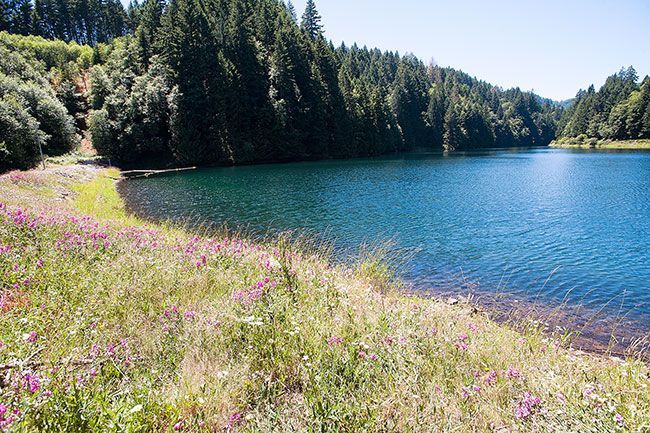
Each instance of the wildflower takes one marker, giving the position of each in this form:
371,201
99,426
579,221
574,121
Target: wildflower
461,345
179,425
527,405
434,331
513,373
334,341
3,409
32,337
491,377
189,314
462,337
476,388
110,350
31,382
234,419
94,351
619,419
374,357
438,388
472,327
47,393
362,354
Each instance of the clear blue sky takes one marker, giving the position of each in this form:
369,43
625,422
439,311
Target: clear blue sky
553,47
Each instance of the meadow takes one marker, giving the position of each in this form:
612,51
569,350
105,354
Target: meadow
111,323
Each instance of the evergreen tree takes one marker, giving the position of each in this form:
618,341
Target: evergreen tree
311,21
292,11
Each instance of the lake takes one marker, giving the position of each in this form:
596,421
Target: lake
542,226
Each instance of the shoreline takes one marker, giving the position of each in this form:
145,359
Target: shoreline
578,320
308,333
592,143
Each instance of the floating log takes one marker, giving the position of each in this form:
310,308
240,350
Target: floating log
133,174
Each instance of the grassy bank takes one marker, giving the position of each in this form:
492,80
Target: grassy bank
594,143
108,323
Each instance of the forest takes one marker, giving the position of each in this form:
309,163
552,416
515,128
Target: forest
206,82
619,110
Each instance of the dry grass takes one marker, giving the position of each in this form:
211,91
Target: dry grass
144,327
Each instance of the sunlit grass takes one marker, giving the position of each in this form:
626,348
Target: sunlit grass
109,323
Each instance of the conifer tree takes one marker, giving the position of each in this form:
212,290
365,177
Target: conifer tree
311,20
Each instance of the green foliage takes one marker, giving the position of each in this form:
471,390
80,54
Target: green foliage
33,113
243,82
617,111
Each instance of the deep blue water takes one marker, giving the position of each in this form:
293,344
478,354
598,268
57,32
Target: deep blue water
543,225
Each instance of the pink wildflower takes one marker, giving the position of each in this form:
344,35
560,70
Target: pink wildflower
31,382
619,419
189,314
110,350
513,373
32,337
491,377
527,405
461,345
374,357
462,337
3,409
334,340
362,354
472,327
179,425
234,419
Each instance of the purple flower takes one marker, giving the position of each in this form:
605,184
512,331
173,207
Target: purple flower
513,373
619,419
179,425
234,419
334,341
31,382
3,409
472,327
32,337
527,405
491,377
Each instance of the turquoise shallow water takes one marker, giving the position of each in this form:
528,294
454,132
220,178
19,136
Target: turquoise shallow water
535,224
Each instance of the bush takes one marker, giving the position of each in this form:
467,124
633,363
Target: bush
31,112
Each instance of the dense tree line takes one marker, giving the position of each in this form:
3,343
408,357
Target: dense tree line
38,98
238,81
81,21
619,110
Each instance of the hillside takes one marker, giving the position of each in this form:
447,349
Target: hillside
108,323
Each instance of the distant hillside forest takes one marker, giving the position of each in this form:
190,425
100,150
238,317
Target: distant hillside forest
185,82
620,110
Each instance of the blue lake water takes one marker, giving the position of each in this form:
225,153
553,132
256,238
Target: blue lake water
543,225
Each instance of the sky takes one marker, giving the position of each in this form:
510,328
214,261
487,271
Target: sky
553,47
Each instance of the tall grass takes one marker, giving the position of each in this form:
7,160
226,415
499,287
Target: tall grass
109,323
